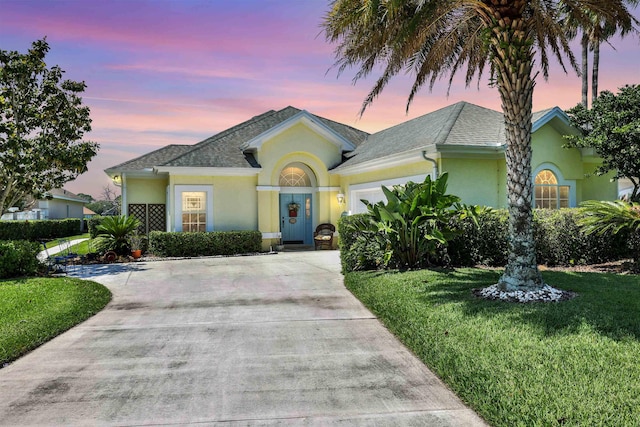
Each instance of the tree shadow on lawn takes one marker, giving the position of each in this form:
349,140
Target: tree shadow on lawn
608,303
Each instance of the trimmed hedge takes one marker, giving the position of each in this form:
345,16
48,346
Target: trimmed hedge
18,258
39,229
559,241
92,225
356,253
183,244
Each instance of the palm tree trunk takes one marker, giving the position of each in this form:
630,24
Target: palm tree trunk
585,69
595,70
513,61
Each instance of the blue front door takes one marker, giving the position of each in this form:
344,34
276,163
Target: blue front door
295,218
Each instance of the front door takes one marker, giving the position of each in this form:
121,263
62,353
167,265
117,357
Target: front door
295,218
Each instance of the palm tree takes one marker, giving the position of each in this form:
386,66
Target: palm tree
601,32
436,38
595,31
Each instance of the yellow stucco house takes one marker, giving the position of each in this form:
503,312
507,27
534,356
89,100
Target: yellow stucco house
284,172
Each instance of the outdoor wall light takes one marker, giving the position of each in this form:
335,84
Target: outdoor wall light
117,180
340,198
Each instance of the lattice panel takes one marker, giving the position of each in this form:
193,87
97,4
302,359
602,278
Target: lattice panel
140,212
157,217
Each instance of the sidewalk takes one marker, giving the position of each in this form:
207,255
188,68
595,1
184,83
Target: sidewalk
54,250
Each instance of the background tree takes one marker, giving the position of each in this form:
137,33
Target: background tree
88,197
109,203
436,38
594,32
42,121
612,128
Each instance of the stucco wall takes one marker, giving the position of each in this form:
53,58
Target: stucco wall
140,190
547,146
235,200
598,187
410,169
235,203
475,181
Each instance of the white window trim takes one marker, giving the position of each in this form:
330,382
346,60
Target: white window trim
376,185
571,183
178,190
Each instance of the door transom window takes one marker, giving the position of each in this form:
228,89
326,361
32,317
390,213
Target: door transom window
293,176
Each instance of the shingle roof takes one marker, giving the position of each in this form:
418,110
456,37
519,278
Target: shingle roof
66,194
458,124
537,115
149,160
224,149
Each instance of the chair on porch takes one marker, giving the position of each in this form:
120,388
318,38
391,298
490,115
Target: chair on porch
323,236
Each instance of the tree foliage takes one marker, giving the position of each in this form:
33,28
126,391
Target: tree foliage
108,204
42,122
595,31
612,128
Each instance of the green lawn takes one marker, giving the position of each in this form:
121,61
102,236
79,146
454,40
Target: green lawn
34,310
55,242
81,248
572,363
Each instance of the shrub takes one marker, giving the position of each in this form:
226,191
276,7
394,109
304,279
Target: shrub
560,240
93,223
18,258
618,218
204,243
486,243
39,229
413,224
356,251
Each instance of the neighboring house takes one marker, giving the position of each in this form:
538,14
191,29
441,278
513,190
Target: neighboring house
58,204
88,213
284,172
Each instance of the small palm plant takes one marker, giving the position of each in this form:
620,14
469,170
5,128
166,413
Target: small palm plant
114,232
614,217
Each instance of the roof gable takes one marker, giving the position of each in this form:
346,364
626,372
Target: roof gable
557,118
308,120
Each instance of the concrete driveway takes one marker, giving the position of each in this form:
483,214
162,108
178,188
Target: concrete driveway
261,340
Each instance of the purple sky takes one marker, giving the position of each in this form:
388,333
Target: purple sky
161,72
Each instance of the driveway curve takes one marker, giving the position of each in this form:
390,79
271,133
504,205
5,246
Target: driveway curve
260,340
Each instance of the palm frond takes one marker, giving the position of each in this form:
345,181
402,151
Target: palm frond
610,216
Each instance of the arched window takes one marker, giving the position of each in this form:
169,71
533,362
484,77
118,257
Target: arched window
292,176
550,195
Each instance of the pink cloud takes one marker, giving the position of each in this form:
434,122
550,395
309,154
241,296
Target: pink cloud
220,72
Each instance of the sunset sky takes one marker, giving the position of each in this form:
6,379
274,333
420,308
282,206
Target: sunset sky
160,72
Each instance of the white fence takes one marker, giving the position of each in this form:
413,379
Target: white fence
26,215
